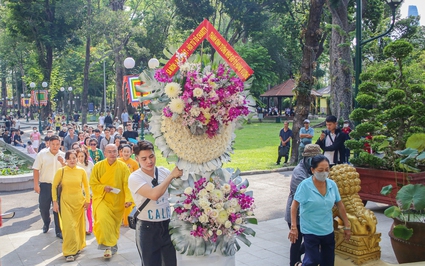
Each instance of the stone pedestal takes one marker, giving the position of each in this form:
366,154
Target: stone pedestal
359,249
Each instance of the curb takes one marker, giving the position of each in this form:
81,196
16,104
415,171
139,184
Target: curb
257,172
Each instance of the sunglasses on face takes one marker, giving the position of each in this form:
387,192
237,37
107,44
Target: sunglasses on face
92,144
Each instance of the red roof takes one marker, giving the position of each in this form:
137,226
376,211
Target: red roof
281,90
285,90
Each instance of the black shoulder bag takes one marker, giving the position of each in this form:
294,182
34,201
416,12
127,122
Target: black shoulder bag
59,190
132,217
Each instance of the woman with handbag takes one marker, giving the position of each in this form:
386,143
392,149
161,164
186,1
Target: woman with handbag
72,203
87,165
148,186
125,151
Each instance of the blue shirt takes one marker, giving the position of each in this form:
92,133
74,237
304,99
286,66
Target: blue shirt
316,210
305,141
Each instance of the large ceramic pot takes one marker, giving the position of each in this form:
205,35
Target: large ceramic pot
373,180
412,250
211,260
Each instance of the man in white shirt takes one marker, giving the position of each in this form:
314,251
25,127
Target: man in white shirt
46,164
124,118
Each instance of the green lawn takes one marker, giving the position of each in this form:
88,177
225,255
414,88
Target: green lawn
255,146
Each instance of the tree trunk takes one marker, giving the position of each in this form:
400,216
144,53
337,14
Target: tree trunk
312,40
119,68
84,104
3,87
340,62
120,105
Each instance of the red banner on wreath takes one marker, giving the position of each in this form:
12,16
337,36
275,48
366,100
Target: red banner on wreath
206,30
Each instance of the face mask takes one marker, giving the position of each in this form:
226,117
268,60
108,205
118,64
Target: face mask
345,125
35,130
321,176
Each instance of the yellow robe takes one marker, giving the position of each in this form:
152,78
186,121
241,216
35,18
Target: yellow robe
72,207
133,165
108,208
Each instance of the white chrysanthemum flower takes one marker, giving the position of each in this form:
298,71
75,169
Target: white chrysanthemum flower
227,224
203,192
207,210
213,213
177,105
231,210
203,218
172,89
249,213
236,227
218,206
226,188
210,186
204,203
219,232
233,202
198,92
238,221
218,194
222,217
195,111
210,232
188,190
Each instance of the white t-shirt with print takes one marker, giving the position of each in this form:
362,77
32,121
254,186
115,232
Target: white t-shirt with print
155,210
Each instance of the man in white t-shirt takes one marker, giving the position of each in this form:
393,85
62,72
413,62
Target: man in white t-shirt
148,182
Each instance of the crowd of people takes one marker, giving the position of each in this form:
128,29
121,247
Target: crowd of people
93,168
312,195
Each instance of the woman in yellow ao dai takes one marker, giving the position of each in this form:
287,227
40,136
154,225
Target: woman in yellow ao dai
125,152
72,205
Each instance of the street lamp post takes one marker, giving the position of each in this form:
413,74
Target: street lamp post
44,85
359,42
129,63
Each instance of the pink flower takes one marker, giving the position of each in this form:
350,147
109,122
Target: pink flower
162,76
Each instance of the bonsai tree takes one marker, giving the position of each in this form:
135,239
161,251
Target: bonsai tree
391,106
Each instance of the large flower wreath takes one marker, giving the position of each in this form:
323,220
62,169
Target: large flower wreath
194,116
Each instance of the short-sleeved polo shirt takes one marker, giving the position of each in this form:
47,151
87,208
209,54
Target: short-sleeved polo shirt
316,210
47,164
309,131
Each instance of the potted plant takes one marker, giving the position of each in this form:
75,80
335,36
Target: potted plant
408,228
391,107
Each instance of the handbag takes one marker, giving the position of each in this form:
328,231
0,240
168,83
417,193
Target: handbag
132,217
59,190
283,150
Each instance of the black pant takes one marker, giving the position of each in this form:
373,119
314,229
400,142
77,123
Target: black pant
285,154
319,250
45,202
154,244
297,248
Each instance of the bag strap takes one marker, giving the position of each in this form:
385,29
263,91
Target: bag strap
139,210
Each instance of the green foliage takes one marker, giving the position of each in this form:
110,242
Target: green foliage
399,49
391,107
259,60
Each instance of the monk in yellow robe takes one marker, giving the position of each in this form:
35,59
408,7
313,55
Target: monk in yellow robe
111,195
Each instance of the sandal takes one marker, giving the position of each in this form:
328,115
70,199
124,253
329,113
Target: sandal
69,258
107,254
298,264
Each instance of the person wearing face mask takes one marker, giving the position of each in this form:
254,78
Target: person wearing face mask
315,197
35,138
301,171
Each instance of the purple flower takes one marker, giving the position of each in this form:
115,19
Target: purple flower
162,76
